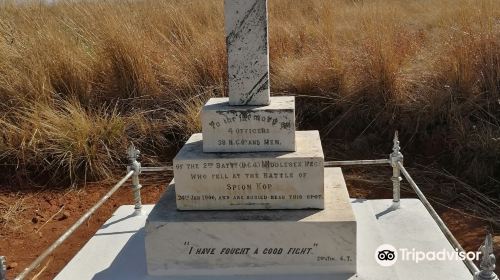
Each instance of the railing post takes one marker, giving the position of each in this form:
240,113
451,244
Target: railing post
135,166
3,268
487,265
395,157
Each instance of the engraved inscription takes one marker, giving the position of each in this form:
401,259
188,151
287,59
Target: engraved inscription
231,129
275,180
242,182
200,250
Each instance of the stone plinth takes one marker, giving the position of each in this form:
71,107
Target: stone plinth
254,242
125,259
271,180
228,128
247,51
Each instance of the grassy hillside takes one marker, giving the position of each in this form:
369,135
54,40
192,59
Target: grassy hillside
79,81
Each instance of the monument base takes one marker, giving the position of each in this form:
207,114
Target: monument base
254,242
117,250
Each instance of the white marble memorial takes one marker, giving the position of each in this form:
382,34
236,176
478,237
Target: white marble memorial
247,52
288,215
253,242
228,128
270,180
317,237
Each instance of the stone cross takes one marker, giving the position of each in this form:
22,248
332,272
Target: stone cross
247,51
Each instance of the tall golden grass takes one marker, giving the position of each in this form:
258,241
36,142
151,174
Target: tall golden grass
80,80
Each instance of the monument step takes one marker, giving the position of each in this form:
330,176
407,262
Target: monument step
228,128
253,242
259,180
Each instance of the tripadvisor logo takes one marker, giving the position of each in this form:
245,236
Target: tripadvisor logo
388,255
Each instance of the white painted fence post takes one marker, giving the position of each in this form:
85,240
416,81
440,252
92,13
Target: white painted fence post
135,166
395,157
487,265
3,268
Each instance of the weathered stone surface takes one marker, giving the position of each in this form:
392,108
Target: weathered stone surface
228,128
254,242
247,51
124,257
271,180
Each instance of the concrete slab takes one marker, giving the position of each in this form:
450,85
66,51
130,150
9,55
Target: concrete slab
264,241
117,251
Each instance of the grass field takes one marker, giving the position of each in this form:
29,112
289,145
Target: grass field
79,81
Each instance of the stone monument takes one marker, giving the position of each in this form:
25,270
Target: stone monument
250,194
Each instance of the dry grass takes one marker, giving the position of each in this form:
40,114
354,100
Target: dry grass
10,213
78,81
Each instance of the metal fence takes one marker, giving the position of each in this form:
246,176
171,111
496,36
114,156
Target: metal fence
395,160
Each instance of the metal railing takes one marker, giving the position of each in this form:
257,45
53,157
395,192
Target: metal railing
395,160
135,167
3,268
133,170
70,231
487,265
